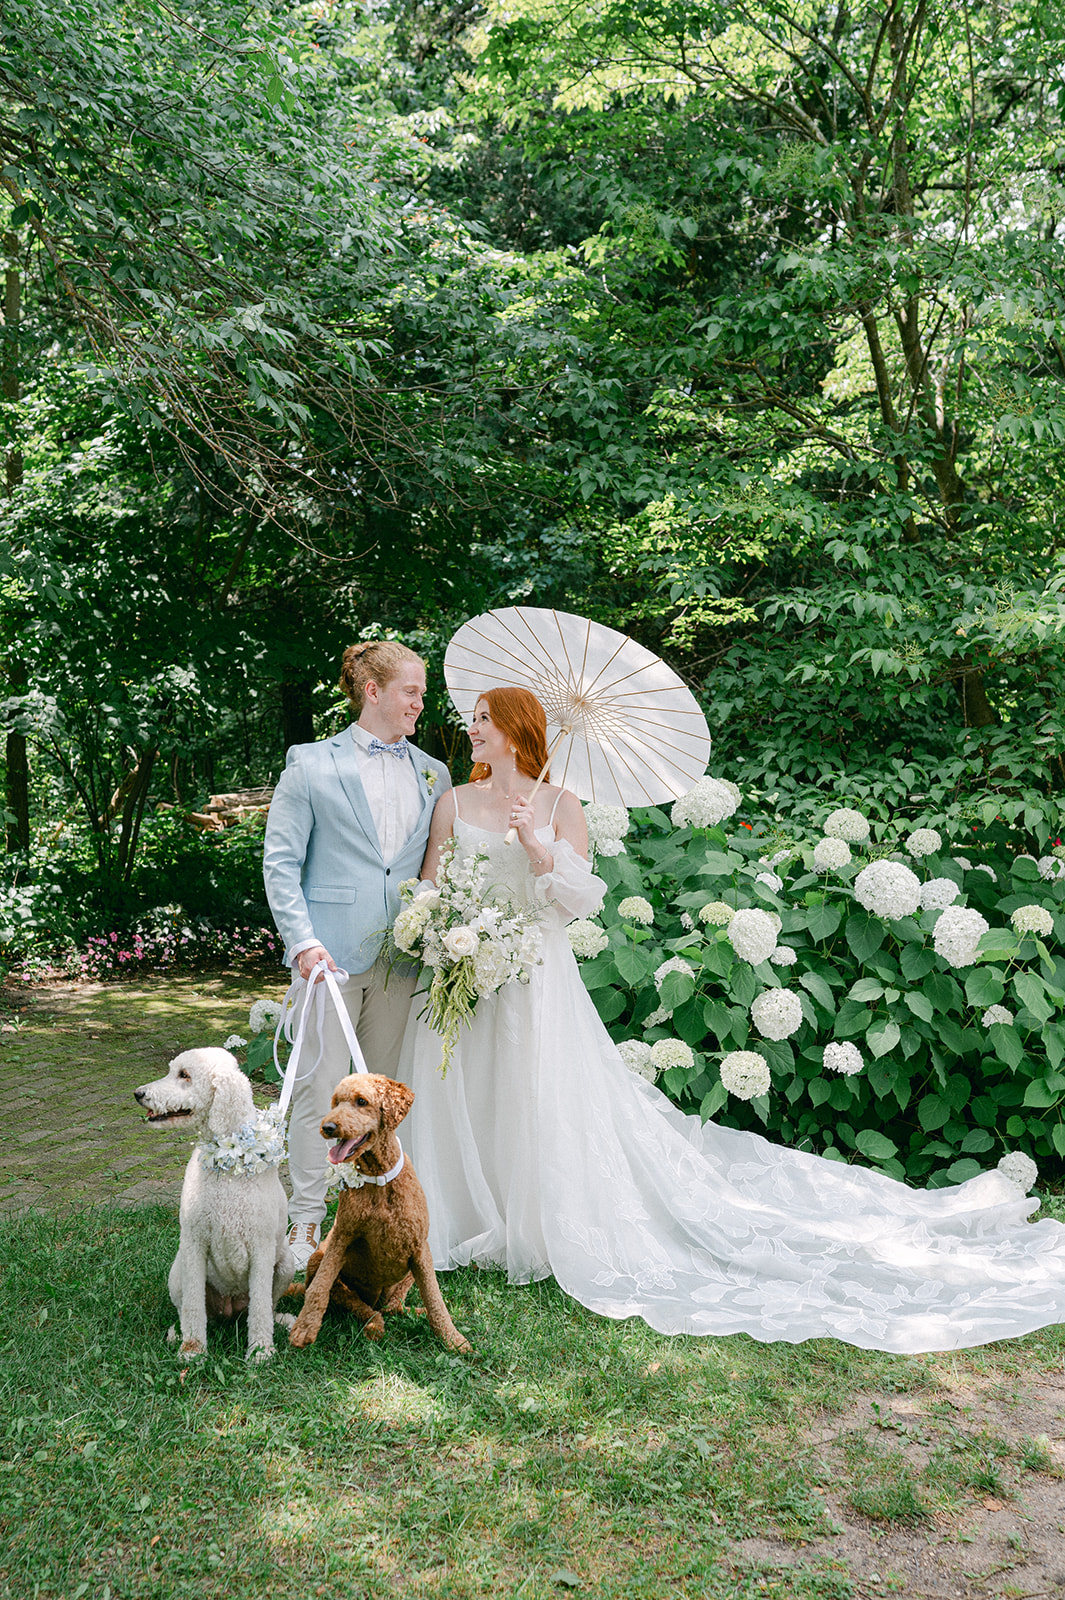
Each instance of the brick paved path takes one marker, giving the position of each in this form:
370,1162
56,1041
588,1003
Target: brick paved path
70,1131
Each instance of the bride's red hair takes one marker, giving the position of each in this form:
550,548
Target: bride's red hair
521,718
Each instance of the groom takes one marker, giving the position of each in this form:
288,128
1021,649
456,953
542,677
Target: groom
348,823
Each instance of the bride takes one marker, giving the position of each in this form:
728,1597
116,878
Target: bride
542,1153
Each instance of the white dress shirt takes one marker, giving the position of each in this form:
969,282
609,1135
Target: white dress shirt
391,786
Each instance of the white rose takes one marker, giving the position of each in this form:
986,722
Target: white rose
460,941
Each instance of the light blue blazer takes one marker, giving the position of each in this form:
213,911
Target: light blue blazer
325,875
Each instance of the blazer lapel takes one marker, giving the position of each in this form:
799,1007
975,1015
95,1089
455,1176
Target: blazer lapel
421,767
347,769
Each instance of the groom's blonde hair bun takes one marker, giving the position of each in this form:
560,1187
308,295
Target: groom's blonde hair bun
375,660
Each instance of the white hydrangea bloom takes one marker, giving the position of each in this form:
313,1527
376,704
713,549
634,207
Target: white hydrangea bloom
847,824
491,967
263,1016
995,1014
605,822
586,938
659,1015
938,893
776,859
1019,1169
608,847
753,935
842,1056
957,933
784,956
963,862
666,1053
717,913
888,889
771,881
634,908
1032,919
674,964
776,1013
831,853
745,1074
709,803
924,842
1050,868
637,1057
687,922
234,1042
983,867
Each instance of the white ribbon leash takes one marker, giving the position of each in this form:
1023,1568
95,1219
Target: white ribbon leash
292,1025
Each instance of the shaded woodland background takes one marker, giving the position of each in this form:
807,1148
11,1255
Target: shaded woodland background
737,327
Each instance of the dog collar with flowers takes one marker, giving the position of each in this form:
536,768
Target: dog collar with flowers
254,1147
347,1174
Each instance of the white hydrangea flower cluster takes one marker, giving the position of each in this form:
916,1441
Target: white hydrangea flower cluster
753,934
262,1018
957,933
710,802
687,922
924,842
234,1042
776,1013
1019,1169
771,881
846,824
888,889
255,1147
674,964
637,1057
983,867
717,913
995,1014
842,1056
938,893
1032,919
776,859
666,1053
745,1074
586,938
830,854
963,862
784,956
659,1015
634,908
607,827
1050,868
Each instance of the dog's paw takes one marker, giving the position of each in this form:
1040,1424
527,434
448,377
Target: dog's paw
284,1319
192,1348
259,1353
374,1329
171,1333
463,1346
302,1337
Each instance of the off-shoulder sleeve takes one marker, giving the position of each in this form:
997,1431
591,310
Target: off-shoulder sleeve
571,886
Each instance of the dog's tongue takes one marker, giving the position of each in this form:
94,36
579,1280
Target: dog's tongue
342,1150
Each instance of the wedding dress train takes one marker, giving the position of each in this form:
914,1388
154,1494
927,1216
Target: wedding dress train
542,1153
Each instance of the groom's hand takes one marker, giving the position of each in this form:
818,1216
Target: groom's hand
307,960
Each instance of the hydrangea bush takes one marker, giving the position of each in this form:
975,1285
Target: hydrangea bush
904,1007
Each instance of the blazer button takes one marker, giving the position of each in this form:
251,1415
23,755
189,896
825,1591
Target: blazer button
388,872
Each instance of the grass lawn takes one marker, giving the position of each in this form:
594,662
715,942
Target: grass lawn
568,1454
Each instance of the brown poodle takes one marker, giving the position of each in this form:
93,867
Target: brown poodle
378,1244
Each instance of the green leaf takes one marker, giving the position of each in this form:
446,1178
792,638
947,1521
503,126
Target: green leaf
1057,1137
634,964
977,1140
875,1145
609,1003
822,921
815,985
865,934
984,987
689,1022
275,90
743,984
919,1004
1054,1043
1040,1094
1006,1044
960,1171
712,1102
943,992
1031,992
677,987
933,1112
916,963
865,989
882,1037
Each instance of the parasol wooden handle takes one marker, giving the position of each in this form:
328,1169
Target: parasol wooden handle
512,833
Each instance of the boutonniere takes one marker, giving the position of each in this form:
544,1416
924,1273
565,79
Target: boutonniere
430,778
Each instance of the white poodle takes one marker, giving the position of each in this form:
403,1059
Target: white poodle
234,1253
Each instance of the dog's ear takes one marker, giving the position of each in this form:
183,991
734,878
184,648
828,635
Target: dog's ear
395,1103
231,1103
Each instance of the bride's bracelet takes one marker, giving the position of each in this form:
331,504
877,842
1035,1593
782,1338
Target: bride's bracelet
544,861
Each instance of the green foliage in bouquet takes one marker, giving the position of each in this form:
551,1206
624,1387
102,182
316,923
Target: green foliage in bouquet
938,982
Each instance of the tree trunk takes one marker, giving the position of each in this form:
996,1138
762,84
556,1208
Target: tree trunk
297,713
133,810
17,783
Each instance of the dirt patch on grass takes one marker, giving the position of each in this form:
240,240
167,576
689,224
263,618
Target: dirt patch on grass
955,1493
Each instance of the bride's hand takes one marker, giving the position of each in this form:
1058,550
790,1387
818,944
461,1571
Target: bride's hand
523,819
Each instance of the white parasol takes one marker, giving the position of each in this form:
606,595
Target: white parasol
622,728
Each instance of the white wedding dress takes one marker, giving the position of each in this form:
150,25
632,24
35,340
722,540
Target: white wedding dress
540,1152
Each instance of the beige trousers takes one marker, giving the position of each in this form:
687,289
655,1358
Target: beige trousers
379,1014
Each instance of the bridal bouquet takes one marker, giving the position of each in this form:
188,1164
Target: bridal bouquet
472,938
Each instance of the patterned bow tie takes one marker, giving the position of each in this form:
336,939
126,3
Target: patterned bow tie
399,749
